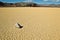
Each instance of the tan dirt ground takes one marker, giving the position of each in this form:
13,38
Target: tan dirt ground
38,23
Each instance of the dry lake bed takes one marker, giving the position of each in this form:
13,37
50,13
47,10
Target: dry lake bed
38,23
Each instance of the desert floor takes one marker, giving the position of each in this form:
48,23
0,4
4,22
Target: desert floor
38,23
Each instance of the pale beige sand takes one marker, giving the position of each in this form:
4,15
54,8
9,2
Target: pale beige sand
39,23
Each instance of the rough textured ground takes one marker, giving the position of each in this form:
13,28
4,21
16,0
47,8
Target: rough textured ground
38,23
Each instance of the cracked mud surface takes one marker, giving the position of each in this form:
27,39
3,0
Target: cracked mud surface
39,23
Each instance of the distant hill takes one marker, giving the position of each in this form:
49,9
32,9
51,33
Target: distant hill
19,4
27,4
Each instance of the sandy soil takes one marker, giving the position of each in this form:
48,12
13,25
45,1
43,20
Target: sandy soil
38,23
